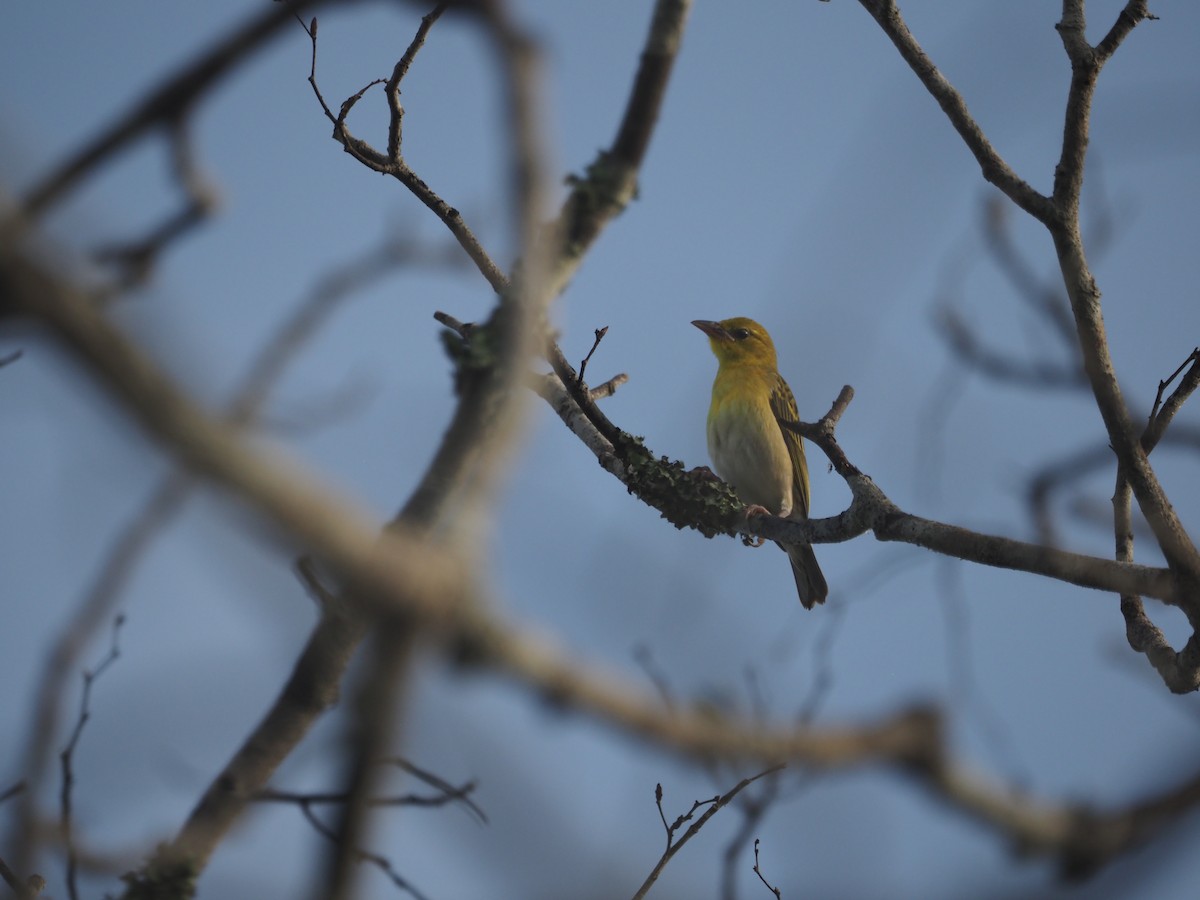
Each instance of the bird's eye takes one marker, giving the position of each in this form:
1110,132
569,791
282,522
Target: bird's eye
740,334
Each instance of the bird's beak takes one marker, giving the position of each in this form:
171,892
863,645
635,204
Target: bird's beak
713,330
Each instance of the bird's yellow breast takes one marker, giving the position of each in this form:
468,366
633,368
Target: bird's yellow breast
744,440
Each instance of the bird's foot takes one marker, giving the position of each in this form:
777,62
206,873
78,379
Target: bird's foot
752,511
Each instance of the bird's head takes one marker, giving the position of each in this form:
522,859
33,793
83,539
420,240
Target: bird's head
739,340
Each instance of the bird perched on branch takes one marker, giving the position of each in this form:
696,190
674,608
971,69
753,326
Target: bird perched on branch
761,460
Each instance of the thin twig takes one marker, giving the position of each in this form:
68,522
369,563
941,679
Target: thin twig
318,798
460,793
753,809
758,871
1161,414
600,333
378,860
93,610
463,329
394,165
674,846
68,754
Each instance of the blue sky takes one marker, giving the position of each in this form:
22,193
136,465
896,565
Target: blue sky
801,176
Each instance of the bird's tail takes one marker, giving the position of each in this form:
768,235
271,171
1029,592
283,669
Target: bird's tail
810,581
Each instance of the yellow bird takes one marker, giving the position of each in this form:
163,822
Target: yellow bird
761,460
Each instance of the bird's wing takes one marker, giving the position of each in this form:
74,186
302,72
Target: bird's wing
783,405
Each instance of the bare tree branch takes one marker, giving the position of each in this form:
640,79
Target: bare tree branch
134,260
1086,63
169,497
1180,671
166,105
1060,214
466,466
991,164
